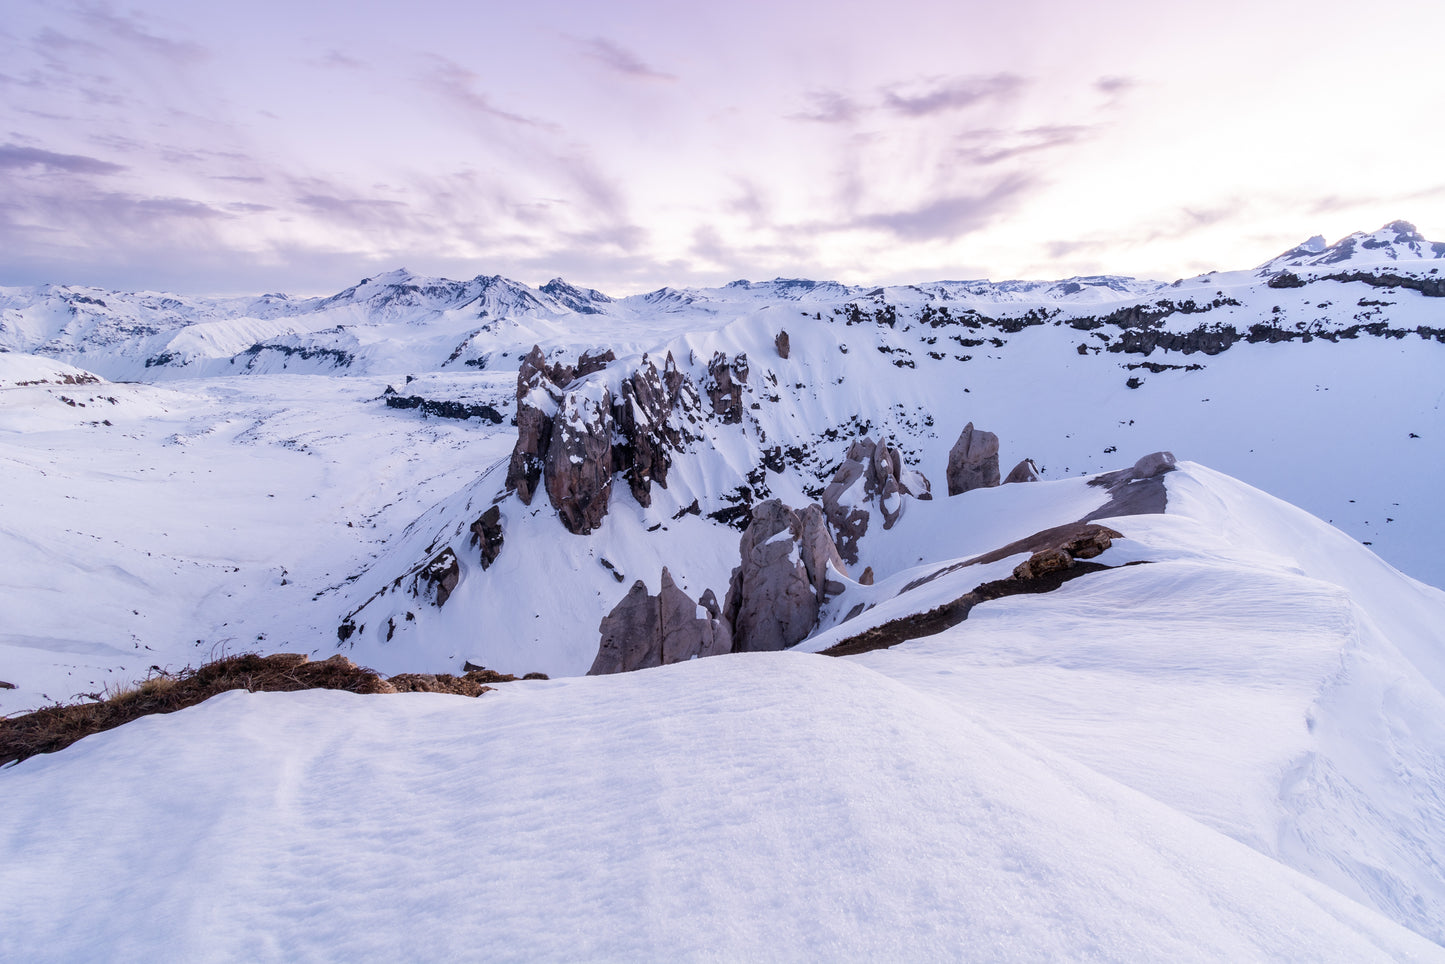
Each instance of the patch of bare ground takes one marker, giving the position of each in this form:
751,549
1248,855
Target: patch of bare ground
1057,557
55,727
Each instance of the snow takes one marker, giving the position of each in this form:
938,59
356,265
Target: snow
1232,750
767,806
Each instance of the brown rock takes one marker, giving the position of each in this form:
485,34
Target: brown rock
645,430
1025,471
867,578
725,386
593,360
644,630
537,399
1089,543
973,461
487,533
439,577
1044,561
782,579
781,344
631,634
871,473
578,467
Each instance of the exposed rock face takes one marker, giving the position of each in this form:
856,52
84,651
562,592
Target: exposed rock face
439,577
649,416
592,360
725,386
774,594
873,473
644,630
1025,471
782,345
973,461
538,398
573,433
487,534
578,467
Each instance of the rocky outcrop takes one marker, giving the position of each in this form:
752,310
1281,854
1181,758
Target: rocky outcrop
1025,471
578,466
650,417
781,343
573,433
437,579
645,630
783,577
538,398
872,474
973,461
487,535
1137,490
725,381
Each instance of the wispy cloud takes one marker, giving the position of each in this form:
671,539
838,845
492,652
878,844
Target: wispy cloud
984,147
1113,86
936,96
15,157
335,58
621,60
946,218
456,84
132,30
829,107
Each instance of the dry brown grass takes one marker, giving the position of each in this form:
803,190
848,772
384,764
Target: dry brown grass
56,727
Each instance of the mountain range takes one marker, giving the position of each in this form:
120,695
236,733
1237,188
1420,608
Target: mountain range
919,617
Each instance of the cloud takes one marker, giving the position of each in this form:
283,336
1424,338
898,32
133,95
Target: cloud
454,83
991,146
1114,86
961,92
621,60
354,211
335,58
131,30
15,157
950,217
829,107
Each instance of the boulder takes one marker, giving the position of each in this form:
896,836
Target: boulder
1042,562
487,534
782,345
973,461
1153,464
578,467
1025,471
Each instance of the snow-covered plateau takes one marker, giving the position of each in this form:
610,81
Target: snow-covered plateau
1105,710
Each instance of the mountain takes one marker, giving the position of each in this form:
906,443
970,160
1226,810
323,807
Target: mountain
1130,704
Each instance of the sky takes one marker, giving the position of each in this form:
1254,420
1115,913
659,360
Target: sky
232,148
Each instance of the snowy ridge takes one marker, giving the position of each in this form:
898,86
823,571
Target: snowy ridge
1226,743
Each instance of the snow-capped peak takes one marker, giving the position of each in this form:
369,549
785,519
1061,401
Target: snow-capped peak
1396,241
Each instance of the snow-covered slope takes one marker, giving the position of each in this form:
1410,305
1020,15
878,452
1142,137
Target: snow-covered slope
1237,741
758,806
